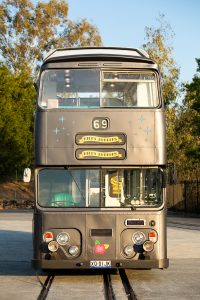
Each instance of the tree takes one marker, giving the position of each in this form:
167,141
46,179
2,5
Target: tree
161,52
159,49
183,132
81,34
28,31
188,128
17,96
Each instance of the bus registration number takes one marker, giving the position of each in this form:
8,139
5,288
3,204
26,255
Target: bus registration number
100,264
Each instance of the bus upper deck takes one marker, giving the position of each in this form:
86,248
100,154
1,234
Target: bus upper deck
95,97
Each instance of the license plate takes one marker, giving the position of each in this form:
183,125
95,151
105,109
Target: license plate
100,264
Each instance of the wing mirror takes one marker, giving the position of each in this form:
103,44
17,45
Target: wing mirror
27,175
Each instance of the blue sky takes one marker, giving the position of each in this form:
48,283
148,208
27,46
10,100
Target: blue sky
122,23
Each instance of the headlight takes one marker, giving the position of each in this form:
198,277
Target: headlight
73,250
62,238
138,238
128,250
148,246
53,246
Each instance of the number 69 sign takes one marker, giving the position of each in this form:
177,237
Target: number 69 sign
100,123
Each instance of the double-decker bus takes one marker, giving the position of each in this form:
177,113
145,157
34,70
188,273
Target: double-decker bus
100,158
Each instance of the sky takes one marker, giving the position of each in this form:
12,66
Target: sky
122,24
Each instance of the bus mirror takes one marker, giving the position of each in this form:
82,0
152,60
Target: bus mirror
27,175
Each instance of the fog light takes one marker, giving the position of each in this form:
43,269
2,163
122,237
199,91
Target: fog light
62,238
129,251
138,238
73,250
53,246
148,246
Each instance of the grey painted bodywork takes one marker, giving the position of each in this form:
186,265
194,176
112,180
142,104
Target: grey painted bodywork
81,223
56,131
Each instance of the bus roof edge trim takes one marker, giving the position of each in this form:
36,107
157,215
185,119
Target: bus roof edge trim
58,53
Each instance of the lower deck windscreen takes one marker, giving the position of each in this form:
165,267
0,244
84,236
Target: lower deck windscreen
96,188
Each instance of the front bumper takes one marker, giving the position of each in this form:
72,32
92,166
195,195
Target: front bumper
128,264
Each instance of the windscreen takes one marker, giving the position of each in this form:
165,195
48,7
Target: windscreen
101,188
129,89
92,88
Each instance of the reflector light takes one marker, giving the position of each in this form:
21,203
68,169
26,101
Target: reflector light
48,236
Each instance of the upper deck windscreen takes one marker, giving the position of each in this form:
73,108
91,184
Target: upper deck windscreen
93,88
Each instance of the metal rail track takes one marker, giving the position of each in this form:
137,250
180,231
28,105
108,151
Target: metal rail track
109,291
127,286
45,287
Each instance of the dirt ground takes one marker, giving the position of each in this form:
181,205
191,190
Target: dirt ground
16,194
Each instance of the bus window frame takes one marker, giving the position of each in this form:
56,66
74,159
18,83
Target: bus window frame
105,209
101,70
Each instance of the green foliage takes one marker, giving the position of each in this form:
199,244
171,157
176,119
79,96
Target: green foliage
158,48
183,122
186,132
81,34
28,31
17,96
161,52
190,119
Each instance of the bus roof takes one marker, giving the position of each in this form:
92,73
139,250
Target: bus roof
97,52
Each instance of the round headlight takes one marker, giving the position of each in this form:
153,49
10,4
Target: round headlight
148,246
62,238
138,238
53,246
73,250
128,250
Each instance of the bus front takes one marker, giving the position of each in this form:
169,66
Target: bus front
100,161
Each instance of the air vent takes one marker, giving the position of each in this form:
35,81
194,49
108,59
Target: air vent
101,232
112,64
88,64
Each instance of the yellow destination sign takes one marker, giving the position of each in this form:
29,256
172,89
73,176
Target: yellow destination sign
104,139
99,139
100,154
